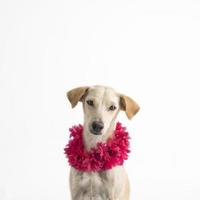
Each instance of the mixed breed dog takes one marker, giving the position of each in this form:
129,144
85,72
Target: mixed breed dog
97,150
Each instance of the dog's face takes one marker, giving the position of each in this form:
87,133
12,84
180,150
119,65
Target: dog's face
101,106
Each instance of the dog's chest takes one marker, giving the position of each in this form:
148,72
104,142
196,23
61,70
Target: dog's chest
93,185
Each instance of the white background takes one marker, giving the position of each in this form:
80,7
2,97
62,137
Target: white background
149,50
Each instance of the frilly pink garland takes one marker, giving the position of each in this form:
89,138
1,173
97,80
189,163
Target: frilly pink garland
102,157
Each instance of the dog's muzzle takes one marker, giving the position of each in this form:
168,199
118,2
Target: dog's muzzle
96,127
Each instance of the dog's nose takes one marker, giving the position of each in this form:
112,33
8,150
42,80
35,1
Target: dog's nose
97,126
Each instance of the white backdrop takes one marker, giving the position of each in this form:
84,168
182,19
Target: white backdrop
149,50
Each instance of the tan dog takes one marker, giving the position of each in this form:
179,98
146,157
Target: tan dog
101,106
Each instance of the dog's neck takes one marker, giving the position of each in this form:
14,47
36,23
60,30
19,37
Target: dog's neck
91,140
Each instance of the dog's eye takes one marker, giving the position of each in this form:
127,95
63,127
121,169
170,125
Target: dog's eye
112,107
90,102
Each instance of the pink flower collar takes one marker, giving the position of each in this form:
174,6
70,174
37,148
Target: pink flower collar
102,157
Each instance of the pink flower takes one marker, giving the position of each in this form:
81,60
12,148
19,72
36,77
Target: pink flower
104,156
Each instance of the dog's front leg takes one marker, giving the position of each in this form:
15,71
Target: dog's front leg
115,183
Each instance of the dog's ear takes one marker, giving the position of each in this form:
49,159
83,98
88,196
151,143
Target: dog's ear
129,106
75,95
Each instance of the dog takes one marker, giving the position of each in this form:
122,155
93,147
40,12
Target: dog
101,106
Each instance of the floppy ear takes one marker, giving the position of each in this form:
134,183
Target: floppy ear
129,106
75,95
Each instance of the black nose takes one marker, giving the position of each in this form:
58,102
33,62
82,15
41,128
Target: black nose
97,127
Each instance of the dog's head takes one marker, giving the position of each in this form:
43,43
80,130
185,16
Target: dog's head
101,106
